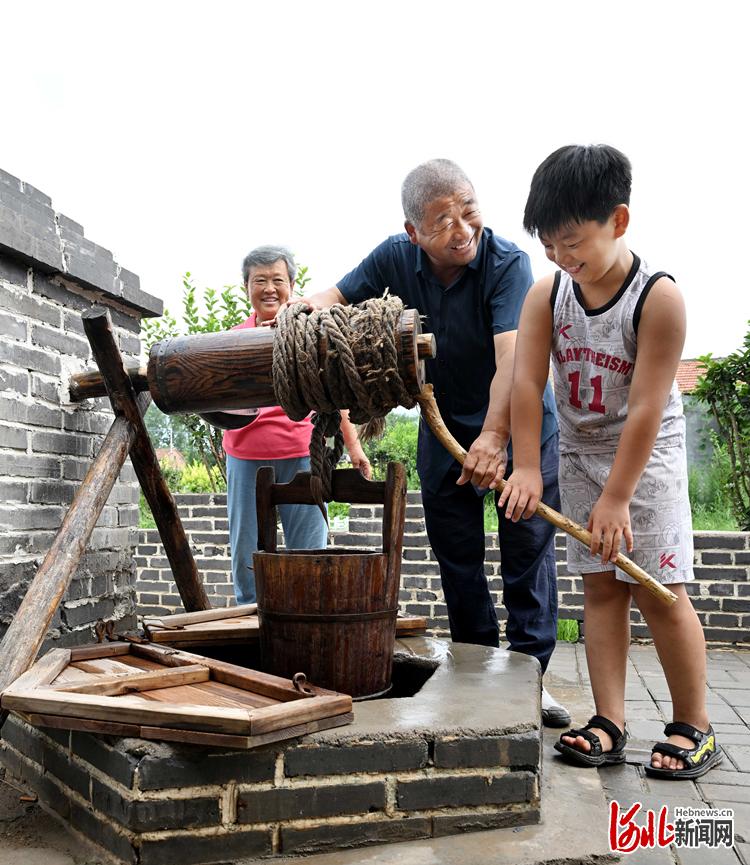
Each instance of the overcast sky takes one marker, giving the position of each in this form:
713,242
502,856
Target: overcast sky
183,134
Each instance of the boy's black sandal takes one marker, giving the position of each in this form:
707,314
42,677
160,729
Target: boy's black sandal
595,757
697,761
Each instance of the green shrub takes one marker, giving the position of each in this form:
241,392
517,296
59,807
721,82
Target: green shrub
708,489
192,479
146,518
338,509
195,479
171,474
568,630
491,515
714,520
725,387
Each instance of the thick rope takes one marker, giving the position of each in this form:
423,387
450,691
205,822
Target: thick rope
358,371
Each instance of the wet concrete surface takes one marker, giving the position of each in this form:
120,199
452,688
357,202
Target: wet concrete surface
576,801
475,690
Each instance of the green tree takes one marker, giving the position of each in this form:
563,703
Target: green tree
399,442
725,387
708,488
169,431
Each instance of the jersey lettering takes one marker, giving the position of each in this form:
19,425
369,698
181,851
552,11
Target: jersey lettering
597,358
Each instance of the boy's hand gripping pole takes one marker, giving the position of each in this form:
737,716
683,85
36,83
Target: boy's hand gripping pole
431,414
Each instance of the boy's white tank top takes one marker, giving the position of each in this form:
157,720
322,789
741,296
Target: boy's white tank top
593,357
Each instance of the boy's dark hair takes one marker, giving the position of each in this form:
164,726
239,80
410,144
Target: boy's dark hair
575,184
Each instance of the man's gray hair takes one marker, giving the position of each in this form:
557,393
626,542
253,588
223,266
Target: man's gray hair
429,181
269,255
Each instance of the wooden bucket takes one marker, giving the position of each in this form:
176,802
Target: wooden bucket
330,614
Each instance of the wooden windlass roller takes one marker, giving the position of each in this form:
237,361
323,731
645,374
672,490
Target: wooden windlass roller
233,369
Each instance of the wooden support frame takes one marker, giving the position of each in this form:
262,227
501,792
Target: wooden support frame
98,328
30,623
87,385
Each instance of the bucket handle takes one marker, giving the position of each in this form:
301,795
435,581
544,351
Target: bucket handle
348,486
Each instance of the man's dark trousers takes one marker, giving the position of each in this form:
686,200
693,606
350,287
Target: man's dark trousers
455,527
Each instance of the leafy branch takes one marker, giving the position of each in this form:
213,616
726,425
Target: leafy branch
725,388
223,311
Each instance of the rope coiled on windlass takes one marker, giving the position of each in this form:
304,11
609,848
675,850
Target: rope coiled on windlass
356,368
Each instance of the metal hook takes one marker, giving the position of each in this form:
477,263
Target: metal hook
299,680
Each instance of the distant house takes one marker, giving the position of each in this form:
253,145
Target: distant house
687,375
698,418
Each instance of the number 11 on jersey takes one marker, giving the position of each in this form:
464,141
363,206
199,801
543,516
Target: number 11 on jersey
596,382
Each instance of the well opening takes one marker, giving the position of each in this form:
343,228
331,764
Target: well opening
409,672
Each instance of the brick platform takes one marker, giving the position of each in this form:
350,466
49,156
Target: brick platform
461,755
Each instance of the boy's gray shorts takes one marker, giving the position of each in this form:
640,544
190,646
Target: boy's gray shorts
660,516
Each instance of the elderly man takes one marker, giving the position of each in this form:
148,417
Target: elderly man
470,284
270,438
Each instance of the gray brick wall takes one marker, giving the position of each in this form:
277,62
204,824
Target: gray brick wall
720,592
204,518
50,274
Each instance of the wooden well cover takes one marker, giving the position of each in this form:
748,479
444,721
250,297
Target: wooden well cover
231,626
155,692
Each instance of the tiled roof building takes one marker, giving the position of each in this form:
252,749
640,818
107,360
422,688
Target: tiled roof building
687,374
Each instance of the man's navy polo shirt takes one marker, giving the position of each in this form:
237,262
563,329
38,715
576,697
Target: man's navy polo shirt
464,317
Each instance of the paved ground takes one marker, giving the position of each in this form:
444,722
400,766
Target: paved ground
574,827
28,836
648,707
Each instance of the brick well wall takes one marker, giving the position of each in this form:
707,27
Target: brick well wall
49,274
721,590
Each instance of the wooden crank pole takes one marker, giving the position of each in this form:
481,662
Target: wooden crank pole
431,414
98,327
29,625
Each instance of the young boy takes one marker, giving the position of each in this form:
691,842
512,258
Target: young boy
615,331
